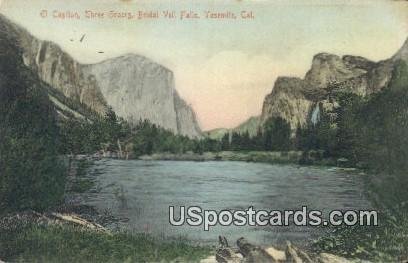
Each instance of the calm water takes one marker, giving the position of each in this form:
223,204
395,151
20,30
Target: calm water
142,191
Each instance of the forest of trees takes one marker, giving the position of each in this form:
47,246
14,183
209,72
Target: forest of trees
31,174
370,132
367,131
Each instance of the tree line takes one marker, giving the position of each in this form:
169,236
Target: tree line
368,131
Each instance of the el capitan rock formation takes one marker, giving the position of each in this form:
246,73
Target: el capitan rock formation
135,87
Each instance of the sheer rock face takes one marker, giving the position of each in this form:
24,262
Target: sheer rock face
402,53
296,100
328,68
135,87
56,68
186,118
287,101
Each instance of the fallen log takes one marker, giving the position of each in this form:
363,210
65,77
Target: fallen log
295,255
250,253
225,254
74,219
253,253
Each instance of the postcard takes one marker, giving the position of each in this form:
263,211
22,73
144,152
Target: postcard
203,131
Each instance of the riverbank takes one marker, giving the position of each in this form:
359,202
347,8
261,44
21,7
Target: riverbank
73,232
286,157
39,241
29,237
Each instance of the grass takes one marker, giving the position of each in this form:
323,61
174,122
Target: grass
62,243
388,242
24,241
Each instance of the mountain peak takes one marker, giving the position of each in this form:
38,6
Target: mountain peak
402,52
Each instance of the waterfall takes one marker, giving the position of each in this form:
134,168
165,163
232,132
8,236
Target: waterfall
316,115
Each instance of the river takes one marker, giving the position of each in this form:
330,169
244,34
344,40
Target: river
142,192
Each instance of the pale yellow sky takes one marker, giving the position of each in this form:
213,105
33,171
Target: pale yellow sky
223,68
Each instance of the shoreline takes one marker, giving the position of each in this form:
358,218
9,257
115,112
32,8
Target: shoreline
93,216
311,158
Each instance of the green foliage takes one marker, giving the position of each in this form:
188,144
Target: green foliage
33,243
277,134
371,132
148,138
31,175
349,126
374,132
91,135
384,243
225,142
273,136
242,142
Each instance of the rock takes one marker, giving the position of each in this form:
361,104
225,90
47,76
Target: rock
138,88
225,254
210,259
296,255
287,101
55,67
298,100
253,253
402,53
277,255
250,126
328,68
134,86
330,258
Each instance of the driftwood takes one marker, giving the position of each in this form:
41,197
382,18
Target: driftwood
250,253
74,219
293,254
70,219
225,254
253,253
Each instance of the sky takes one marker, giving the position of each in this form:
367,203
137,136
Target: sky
223,67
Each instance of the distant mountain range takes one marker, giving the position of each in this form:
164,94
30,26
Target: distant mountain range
251,126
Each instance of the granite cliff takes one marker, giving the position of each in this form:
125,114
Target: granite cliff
300,101
135,87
